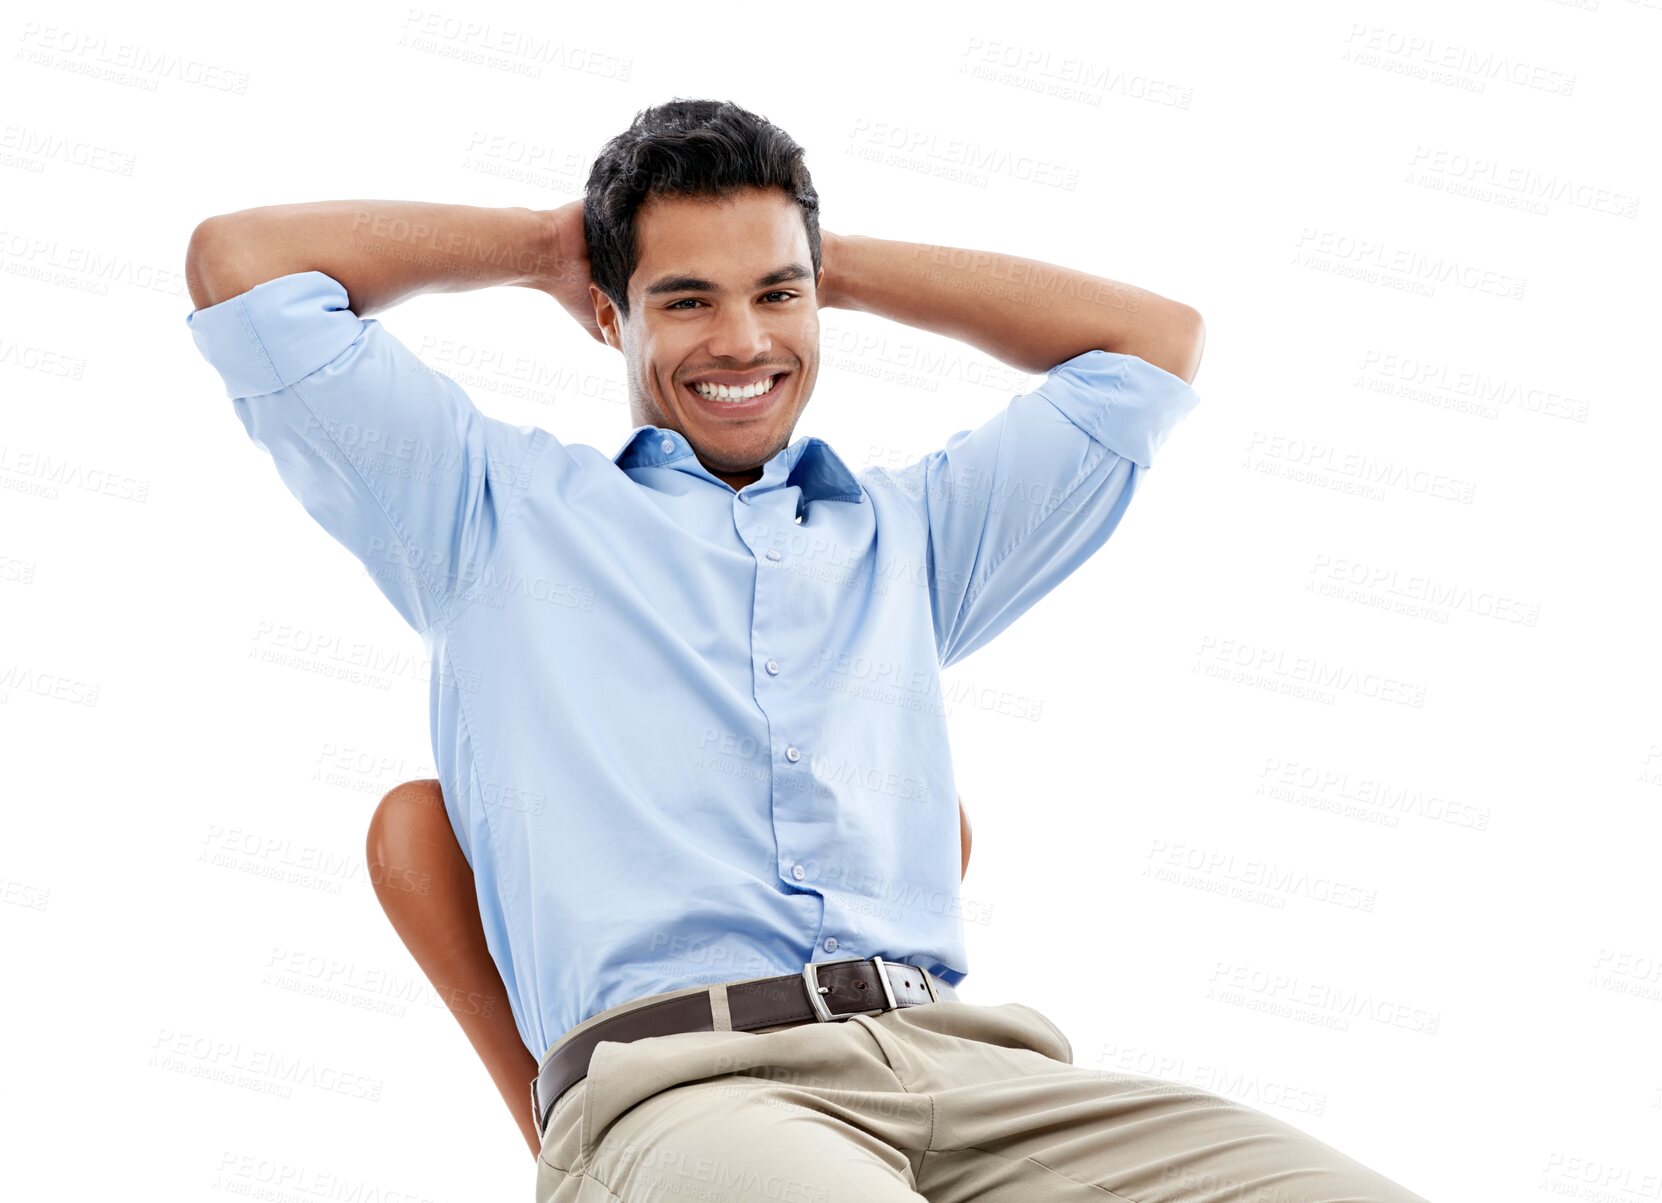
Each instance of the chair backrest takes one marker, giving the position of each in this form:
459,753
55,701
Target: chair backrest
427,890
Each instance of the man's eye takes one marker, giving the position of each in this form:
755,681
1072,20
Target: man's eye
787,294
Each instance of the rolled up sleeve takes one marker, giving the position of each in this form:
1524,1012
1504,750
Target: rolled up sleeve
1014,507
388,456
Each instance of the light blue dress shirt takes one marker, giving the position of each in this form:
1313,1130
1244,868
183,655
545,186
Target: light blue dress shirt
685,734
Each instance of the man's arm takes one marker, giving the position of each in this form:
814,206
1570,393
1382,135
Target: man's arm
390,457
385,252
1009,510
1028,314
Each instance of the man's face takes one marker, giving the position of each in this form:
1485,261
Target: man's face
723,292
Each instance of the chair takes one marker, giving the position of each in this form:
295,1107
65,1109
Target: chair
411,845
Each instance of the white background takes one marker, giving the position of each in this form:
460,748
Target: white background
1380,624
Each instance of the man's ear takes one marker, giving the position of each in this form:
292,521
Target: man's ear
606,317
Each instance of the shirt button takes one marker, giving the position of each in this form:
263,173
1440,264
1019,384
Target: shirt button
668,445
830,943
792,755
798,872
772,555
773,667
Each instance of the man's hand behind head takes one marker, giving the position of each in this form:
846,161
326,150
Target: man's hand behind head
567,279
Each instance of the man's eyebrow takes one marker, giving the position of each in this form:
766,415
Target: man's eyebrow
779,275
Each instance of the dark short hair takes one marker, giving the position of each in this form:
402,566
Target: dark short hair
692,148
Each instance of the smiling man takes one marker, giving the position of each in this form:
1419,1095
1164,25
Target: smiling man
728,360
686,704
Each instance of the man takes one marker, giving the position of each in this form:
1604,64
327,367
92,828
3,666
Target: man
686,699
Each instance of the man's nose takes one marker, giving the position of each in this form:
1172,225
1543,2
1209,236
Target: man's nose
739,335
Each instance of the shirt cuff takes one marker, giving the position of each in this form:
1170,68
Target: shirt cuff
276,333
1123,402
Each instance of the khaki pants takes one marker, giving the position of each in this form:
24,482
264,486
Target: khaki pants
950,1102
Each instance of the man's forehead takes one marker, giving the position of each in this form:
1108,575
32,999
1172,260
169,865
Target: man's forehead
730,244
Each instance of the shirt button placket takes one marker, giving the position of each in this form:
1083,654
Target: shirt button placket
792,754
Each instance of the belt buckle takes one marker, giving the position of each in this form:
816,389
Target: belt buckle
810,975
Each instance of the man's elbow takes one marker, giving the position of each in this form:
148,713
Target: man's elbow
210,263
1197,347
1183,344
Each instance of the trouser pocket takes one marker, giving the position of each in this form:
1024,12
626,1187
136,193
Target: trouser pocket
562,1151
1057,1046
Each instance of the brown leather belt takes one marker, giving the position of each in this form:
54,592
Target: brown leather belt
824,991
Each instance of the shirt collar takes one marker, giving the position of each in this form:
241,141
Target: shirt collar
809,463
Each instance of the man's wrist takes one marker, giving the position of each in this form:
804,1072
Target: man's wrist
540,256
832,293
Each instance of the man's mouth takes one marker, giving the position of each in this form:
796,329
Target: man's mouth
738,397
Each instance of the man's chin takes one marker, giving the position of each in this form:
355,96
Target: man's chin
727,456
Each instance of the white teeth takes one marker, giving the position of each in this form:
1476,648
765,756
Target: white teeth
720,392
